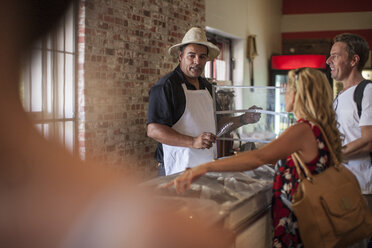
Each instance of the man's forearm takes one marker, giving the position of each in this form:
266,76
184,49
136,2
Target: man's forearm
226,119
166,135
359,146
355,148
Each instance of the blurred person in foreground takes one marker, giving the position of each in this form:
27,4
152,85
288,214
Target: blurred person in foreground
309,96
48,198
181,114
348,56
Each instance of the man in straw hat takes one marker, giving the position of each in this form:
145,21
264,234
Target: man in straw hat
180,113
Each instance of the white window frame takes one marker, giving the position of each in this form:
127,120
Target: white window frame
48,83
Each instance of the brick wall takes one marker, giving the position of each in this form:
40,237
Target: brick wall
122,52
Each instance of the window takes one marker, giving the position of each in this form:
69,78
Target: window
48,83
220,69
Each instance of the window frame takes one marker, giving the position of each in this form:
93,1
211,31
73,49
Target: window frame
220,41
47,117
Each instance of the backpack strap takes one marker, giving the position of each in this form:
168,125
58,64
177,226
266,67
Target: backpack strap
358,95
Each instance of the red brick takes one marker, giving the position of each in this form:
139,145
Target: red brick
125,53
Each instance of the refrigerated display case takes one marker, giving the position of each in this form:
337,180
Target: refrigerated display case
237,201
280,65
236,100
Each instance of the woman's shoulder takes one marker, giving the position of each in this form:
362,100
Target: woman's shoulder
300,129
312,124
303,124
315,127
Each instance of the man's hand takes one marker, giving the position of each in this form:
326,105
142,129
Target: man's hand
249,117
204,140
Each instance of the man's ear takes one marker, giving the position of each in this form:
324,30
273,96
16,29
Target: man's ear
179,56
355,60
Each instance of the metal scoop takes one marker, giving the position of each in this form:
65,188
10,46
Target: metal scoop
225,129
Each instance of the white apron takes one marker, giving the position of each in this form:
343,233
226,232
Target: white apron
197,118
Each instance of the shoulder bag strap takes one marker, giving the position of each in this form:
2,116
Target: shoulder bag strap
300,164
330,148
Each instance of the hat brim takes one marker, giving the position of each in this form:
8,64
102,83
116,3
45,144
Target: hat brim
213,51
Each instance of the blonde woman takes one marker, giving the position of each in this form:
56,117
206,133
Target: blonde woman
309,97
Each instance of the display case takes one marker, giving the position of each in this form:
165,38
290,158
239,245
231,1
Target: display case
238,201
232,101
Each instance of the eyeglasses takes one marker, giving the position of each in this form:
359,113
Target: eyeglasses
283,90
297,73
298,70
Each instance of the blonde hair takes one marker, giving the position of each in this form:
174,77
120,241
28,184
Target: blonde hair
314,102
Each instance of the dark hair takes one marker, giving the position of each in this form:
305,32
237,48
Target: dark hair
355,45
185,45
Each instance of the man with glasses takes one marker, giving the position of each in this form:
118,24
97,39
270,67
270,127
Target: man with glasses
348,56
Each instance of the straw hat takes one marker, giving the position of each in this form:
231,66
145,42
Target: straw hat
196,36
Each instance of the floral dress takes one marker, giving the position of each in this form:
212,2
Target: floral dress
285,226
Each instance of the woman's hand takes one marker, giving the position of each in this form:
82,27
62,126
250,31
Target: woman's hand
183,181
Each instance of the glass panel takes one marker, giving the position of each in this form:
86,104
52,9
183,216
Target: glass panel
25,88
60,131
69,135
38,44
36,89
207,70
38,127
226,58
69,86
47,131
49,42
49,84
221,70
237,100
60,38
60,87
280,81
69,31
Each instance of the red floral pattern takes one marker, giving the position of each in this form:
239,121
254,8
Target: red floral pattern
285,226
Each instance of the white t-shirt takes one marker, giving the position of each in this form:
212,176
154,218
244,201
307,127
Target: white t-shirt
349,127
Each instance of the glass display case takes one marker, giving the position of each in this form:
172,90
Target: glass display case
233,101
237,201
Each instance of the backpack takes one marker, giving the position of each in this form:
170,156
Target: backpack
358,96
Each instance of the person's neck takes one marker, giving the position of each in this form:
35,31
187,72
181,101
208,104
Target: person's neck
194,81
354,78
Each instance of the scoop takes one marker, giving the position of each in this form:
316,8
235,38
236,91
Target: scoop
225,129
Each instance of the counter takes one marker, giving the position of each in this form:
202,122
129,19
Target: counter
240,201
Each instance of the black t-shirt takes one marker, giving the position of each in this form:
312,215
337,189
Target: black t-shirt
167,101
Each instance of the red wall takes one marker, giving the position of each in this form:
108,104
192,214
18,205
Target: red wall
324,7
365,33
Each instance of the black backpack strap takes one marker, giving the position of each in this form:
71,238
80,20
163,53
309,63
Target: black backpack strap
358,95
